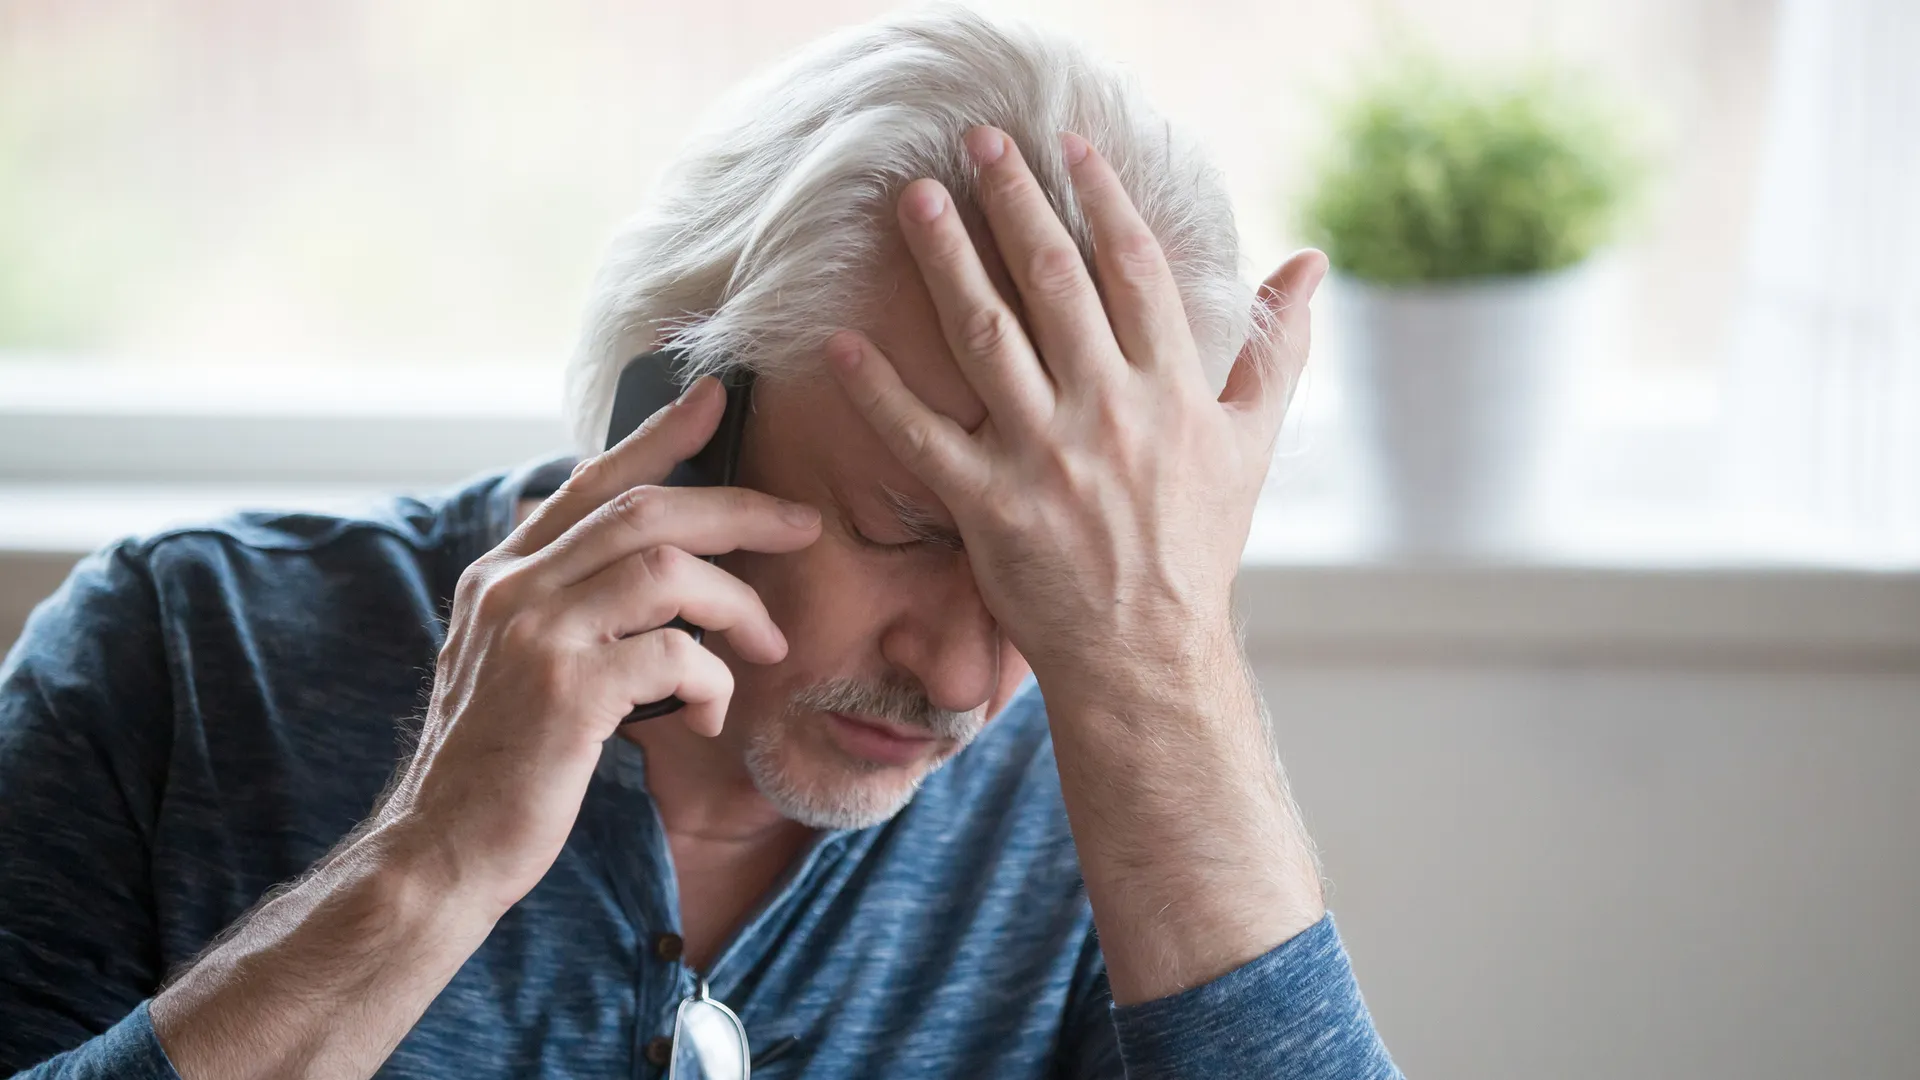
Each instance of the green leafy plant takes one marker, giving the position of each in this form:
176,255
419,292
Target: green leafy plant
1435,174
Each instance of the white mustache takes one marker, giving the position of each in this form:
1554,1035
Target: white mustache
897,702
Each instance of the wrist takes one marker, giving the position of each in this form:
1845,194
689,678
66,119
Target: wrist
1186,666
414,873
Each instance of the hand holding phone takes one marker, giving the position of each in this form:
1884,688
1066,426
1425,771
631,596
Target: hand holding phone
556,634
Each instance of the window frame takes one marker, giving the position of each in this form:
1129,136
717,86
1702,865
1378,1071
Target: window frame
87,422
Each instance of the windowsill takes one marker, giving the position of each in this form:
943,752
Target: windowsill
1638,569
1314,531
1309,590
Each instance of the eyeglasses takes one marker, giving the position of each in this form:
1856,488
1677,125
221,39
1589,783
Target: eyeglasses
709,1042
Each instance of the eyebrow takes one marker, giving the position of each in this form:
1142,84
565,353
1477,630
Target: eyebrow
919,521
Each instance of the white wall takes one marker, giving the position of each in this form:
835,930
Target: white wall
1687,870
26,577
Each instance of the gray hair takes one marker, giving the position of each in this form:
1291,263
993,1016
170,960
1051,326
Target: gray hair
766,233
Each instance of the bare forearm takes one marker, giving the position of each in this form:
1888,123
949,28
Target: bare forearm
327,978
1195,860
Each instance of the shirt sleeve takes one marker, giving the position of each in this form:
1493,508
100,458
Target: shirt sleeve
1089,1049
1294,1013
128,1050
85,711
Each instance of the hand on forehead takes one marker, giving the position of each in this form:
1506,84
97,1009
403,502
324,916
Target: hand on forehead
906,326
814,418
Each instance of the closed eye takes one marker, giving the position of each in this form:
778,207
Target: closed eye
924,532
921,525
869,542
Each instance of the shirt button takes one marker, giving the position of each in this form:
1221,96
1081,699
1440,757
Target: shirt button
668,947
660,1050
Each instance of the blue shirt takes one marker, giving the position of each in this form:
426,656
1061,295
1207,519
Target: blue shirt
198,715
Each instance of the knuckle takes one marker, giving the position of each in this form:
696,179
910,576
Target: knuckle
1055,272
742,502
913,438
447,657
661,566
587,475
664,561
1007,185
637,507
676,646
494,598
1138,259
1082,477
986,330
918,440
1115,422
472,580
525,638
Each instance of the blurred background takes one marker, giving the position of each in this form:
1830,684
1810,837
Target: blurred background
1587,584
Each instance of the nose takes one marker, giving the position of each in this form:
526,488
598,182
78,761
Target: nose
947,640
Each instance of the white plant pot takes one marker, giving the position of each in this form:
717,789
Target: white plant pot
1455,389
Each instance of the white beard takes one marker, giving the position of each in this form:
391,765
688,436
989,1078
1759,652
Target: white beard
869,793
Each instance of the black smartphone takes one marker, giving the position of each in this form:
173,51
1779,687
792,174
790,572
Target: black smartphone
652,382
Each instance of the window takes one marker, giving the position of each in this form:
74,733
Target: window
283,184
267,243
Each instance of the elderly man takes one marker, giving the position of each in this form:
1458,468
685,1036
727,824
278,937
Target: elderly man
971,779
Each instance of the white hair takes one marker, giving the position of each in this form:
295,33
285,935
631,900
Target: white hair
768,231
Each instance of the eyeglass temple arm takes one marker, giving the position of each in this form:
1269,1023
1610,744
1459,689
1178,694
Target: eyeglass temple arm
775,1050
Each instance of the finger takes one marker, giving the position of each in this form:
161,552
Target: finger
1268,368
665,439
1142,298
987,342
667,663
1070,325
930,445
704,521
649,589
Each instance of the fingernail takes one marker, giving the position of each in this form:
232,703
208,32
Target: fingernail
986,145
1318,276
924,202
843,351
799,514
688,394
1074,147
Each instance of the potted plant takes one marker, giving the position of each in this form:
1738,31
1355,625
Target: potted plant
1460,212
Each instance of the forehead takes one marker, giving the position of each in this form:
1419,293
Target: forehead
810,417
905,324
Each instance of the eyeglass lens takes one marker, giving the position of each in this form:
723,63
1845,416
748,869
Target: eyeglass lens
708,1043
